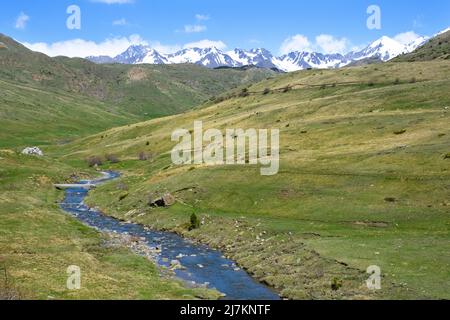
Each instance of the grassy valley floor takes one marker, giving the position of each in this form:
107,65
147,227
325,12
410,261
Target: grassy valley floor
38,242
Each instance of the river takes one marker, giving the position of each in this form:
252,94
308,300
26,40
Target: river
201,265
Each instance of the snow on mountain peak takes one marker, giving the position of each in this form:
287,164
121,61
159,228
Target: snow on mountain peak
443,31
383,49
384,41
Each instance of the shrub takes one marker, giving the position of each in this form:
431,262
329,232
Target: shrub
266,91
94,161
219,99
123,196
336,284
397,81
286,89
399,132
7,290
244,93
112,158
143,156
194,222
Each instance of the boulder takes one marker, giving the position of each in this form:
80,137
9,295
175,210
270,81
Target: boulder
166,200
176,265
33,151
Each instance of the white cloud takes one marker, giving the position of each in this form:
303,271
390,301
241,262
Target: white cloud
113,46
165,48
194,28
202,17
323,43
206,44
329,44
22,20
295,43
406,37
113,1
83,48
120,22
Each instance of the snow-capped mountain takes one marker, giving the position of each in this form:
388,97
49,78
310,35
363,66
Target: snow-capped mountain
138,54
383,49
208,57
442,32
304,60
417,43
255,57
101,59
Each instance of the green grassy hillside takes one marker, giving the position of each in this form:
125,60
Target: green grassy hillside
364,180
144,90
436,48
46,100
33,116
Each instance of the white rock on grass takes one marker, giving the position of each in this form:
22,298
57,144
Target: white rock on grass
33,151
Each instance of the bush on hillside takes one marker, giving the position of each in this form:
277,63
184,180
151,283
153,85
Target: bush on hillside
143,156
336,284
244,93
112,158
94,161
287,89
194,222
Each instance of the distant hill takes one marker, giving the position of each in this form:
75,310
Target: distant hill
65,96
365,62
32,116
144,90
438,48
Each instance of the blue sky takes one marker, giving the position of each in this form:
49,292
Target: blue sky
108,26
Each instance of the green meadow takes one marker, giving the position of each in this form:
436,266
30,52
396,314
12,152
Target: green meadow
38,242
364,180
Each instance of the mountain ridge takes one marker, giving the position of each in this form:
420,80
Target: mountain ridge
436,48
383,49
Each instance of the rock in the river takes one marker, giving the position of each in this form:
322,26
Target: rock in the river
33,151
175,265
